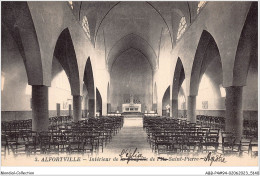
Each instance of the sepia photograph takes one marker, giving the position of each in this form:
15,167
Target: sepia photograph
157,86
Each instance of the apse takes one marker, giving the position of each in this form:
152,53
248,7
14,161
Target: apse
131,75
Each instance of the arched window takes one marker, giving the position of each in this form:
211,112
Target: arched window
200,5
85,26
70,4
182,27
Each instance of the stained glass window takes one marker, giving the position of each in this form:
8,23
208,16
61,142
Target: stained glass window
182,27
71,4
85,26
200,5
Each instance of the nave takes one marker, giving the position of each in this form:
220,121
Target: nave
73,77
109,136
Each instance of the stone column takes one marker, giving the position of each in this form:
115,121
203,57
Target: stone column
85,107
174,107
108,107
159,108
58,109
191,111
76,108
69,109
40,108
234,111
104,108
91,107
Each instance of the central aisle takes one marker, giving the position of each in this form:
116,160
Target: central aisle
131,136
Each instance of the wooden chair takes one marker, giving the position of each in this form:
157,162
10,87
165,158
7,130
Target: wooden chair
210,144
245,144
253,148
228,142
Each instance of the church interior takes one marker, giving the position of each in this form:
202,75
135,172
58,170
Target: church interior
93,77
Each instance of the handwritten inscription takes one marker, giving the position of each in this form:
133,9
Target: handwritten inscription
162,159
214,158
128,155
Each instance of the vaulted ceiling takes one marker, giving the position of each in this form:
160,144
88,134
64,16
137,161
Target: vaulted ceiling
116,27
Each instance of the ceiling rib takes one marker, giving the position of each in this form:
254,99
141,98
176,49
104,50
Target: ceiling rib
95,37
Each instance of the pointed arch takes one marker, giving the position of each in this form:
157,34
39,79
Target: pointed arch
132,41
207,51
89,79
89,82
108,98
178,78
17,17
65,54
98,102
155,97
85,100
150,4
166,102
247,47
177,81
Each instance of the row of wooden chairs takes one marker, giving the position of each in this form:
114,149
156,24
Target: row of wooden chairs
250,128
244,145
212,121
86,136
173,136
60,120
177,136
16,125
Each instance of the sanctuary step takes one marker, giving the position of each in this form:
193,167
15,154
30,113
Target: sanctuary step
132,114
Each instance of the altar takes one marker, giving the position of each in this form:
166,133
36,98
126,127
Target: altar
131,107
